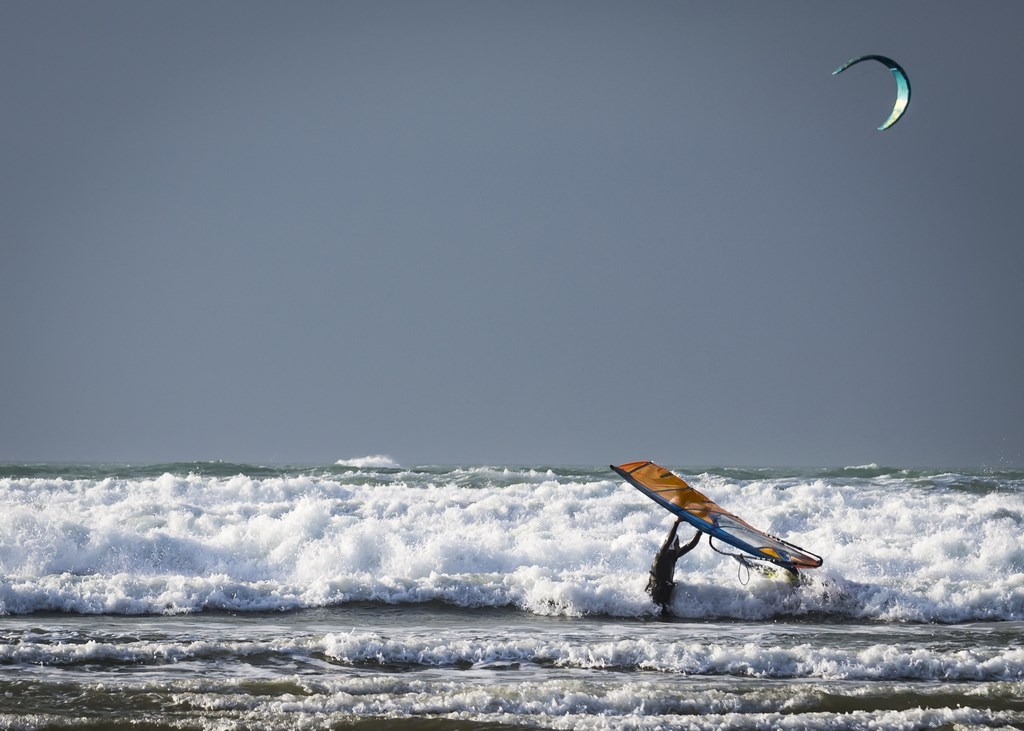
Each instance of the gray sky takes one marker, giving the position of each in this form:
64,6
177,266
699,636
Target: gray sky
528,232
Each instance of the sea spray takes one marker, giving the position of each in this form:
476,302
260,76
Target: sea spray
898,545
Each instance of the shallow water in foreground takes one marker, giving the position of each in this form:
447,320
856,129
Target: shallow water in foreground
433,666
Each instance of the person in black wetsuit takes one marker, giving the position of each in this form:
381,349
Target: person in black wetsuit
662,580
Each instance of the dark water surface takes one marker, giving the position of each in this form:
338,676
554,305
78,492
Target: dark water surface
441,667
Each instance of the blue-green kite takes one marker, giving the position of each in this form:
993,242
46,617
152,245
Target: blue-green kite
902,85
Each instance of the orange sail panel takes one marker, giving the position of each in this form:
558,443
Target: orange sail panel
671,492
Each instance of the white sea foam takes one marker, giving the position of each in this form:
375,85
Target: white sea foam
561,542
495,698
509,649
373,461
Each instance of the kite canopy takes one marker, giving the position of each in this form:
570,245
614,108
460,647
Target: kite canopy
672,493
902,85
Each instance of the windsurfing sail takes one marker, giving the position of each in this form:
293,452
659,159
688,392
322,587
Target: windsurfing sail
672,493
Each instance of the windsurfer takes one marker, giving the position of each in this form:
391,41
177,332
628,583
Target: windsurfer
662,580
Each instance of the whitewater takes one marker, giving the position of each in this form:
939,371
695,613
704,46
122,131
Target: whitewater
364,593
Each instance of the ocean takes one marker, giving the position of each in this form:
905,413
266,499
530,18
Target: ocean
371,595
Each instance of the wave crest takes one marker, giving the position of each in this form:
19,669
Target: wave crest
371,461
